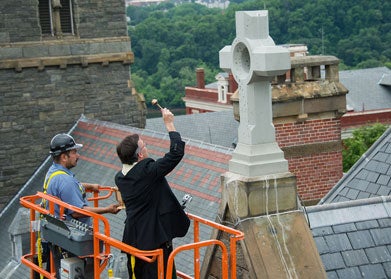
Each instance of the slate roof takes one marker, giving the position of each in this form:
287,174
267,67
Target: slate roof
354,238
367,90
369,177
198,174
352,225
385,80
219,128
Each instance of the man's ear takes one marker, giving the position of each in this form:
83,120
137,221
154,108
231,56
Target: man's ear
63,157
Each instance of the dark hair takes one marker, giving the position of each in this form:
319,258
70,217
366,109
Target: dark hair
127,149
56,158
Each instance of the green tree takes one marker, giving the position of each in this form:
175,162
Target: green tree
356,146
169,39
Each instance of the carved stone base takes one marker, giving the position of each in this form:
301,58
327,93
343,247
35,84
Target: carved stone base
249,197
260,159
278,242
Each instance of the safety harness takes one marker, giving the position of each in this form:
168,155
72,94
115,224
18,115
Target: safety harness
43,204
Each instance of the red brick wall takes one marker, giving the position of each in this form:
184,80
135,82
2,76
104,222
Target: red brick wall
319,172
316,174
206,95
190,110
362,118
310,131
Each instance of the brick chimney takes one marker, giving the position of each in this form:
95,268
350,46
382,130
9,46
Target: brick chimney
233,85
200,78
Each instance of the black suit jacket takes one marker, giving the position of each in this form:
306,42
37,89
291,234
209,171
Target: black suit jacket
153,214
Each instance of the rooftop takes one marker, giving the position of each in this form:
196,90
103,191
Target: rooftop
351,226
369,89
198,174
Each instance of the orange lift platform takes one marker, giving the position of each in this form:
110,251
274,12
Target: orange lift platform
100,242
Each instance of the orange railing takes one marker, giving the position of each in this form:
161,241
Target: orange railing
197,244
101,256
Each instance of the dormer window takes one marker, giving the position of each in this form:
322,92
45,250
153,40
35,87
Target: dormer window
56,17
222,88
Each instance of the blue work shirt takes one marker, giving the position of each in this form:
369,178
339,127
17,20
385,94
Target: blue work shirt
68,189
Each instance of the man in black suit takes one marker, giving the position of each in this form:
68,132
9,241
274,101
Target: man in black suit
153,214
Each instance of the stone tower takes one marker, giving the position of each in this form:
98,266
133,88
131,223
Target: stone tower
59,59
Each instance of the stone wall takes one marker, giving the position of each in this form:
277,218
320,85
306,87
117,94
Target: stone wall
96,19
49,81
19,21
35,105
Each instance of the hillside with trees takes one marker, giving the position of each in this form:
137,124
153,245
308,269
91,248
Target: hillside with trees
171,40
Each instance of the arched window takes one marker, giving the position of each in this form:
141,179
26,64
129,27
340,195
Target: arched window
222,88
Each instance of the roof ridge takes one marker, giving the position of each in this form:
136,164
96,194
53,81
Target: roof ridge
350,203
349,211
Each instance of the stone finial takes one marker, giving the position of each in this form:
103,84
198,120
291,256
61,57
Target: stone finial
254,61
253,54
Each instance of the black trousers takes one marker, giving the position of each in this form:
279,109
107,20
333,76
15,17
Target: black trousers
144,270
58,254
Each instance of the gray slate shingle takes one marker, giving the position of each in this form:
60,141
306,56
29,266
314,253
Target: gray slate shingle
367,175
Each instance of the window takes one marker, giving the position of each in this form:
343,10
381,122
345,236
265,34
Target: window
222,94
222,88
45,15
56,20
66,17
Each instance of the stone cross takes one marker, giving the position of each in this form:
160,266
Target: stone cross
255,60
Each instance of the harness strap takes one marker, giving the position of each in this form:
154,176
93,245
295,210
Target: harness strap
133,263
43,204
47,182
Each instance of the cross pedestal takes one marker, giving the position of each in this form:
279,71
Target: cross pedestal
254,61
